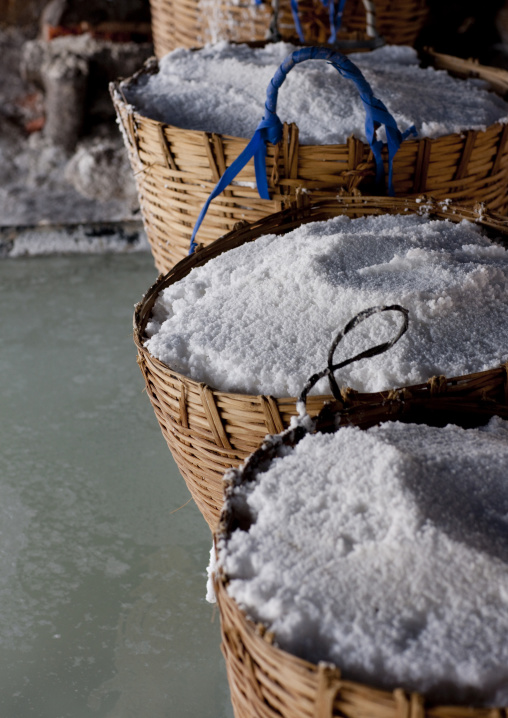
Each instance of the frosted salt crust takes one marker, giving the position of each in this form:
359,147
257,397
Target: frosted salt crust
222,88
261,318
219,21
384,551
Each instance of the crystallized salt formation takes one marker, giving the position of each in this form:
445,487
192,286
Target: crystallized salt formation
220,22
385,552
261,318
222,88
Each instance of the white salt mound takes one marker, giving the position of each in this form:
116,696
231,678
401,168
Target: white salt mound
222,88
261,318
385,552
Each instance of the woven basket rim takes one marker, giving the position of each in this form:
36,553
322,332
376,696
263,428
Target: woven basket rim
151,67
289,219
333,418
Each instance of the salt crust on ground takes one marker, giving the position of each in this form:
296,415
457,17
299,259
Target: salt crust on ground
38,183
36,241
222,88
261,318
385,551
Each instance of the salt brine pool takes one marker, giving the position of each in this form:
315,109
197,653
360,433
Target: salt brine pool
102,579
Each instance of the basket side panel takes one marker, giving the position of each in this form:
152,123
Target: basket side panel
192,23
175,171
399,22
464,168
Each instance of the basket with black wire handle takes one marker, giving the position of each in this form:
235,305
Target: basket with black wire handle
209,431
265,679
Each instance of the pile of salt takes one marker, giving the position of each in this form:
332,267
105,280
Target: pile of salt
256,322
384,551
221,88
260,319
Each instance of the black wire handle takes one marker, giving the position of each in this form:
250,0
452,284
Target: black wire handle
373,351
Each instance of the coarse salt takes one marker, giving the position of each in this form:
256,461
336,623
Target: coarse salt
261,318
385,552
222,88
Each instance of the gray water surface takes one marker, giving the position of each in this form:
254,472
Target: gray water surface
102,609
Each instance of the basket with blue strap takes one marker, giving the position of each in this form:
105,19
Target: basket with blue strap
208,430
177,169
192,23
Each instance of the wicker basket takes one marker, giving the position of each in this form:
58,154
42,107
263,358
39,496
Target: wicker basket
268,682
209,431
187,23
398,22
176,169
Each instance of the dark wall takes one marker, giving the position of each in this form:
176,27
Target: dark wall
464,28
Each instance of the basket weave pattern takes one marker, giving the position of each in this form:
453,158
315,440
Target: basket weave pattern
265,681
399,22
175,171
209,431
185,23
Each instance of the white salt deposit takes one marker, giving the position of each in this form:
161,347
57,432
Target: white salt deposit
222,88
384,551
110,237
219,23
261,318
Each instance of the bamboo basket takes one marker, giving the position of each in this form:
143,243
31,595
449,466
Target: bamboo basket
189,23
176,169
268,682
210,431
398,22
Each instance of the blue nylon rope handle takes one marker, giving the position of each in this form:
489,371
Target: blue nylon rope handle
270,127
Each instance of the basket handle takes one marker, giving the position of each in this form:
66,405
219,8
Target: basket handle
270,127
373,351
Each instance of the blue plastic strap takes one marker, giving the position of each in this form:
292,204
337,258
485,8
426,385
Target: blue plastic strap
335,16
376,112
330,4
336,19
270,127
296,20
268,130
